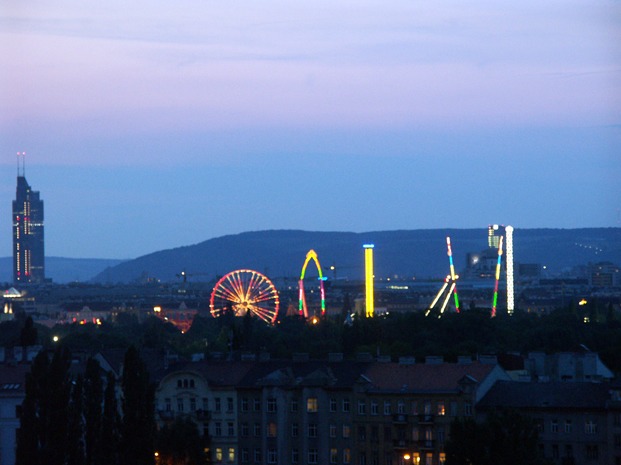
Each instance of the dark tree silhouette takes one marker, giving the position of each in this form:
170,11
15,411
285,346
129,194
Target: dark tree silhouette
137,444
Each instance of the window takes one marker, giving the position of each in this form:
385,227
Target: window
374,407
168,404
539,425
312,430
555,452
362,407
231,428
231,454
218,405
229,404
592,452
346,405
387,433
568,427
257,456
427,408
294,430
374,433
245,455
362,458
346,431
295,456
453,409
333,405
440,435
387,408
218,429
334,455
590,427
257,405
467,409
362,432
257,429
400,407
219,454
294,405
271,455
192,404
332,431
312,455
271,405
205,403
244,404
569,450
191,383
271,430
442,458
441,410
244,430
179,383
311,405
180,405
617,441
554,426
346,455
616,419
414,408
428,458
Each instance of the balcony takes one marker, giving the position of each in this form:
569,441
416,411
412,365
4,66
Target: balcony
425,418
403,444
400,418
426,444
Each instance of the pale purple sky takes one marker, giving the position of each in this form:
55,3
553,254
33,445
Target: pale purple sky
151,125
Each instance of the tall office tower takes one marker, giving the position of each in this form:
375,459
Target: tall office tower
28,250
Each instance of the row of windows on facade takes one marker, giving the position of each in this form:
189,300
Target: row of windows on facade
344,455
312,406
590,426
591,451
415,433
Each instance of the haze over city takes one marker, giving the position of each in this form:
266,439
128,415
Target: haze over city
150,126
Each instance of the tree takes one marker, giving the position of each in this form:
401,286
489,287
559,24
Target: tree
76,448
28,334
42,437
93,401
55,408
180,444
505,437
29,432
138,404
110,424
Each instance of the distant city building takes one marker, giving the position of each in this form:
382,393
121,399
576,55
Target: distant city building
28,250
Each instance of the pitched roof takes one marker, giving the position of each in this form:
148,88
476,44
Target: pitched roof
425,377
13,378
566,395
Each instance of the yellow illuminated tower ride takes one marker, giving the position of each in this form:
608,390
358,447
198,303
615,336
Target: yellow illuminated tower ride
368,271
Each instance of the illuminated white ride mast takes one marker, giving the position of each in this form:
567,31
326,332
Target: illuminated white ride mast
493,241
510,290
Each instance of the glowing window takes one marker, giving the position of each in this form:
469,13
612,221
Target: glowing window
311,405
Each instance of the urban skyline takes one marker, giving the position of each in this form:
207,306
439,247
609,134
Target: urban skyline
149,128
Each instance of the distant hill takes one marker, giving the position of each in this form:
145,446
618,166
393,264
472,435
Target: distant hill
420,253
62,270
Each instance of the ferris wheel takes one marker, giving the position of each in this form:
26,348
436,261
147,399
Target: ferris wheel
243,291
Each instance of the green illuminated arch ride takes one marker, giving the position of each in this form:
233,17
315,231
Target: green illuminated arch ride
302,308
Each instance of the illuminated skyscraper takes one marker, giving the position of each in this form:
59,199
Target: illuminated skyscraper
28,250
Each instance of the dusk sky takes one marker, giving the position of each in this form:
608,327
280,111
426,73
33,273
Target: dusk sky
151,125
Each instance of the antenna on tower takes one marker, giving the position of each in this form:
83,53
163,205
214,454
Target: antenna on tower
23,164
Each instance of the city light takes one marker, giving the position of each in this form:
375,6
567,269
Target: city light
368,266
